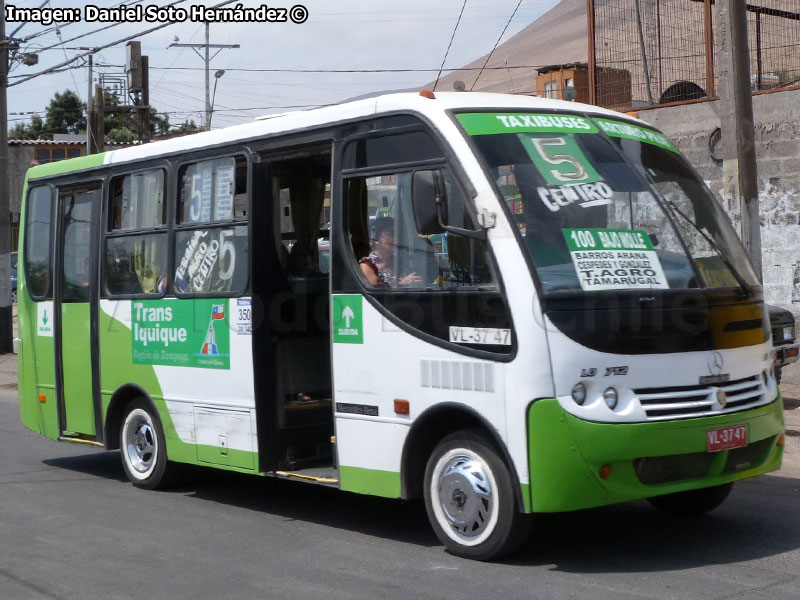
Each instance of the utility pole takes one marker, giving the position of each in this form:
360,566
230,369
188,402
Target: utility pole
208,82
132,88
90,126
6,326
98,121
136,69
207,59
739,176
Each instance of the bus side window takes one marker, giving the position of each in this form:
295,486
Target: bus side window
38,223
211,242
391,252
136,243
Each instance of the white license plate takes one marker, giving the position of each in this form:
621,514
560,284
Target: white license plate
485,336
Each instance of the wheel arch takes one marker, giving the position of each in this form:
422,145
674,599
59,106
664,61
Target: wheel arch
430,428
116,410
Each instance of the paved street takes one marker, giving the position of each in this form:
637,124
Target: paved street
72,527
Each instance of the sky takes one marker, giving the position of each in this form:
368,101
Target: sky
345,34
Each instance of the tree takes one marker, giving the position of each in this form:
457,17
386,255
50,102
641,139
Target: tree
160,122
30,131
121,127
188,126
65,114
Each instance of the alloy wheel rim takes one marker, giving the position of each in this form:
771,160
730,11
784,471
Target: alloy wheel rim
141,444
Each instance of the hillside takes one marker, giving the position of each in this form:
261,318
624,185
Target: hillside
559,36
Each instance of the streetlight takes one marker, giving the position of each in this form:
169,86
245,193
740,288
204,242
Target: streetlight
217,76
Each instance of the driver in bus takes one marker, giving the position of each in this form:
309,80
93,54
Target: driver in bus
378,266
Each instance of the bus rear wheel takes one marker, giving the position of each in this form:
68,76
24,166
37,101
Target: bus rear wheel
470,500
143,447
692,503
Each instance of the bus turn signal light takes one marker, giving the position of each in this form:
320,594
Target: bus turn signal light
42,398
401,407
780,441
605,471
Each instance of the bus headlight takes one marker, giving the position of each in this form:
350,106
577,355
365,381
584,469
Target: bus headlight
611,398
579,393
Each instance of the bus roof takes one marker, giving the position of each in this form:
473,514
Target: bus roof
434,109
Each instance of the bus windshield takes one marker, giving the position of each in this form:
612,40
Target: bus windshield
607,205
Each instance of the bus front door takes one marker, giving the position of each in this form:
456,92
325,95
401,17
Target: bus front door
75,306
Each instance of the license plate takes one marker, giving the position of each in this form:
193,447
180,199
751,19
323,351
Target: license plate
480,335
726,438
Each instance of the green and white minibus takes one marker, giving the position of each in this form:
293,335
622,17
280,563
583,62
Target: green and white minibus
503,305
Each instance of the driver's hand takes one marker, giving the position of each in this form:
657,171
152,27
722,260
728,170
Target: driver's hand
410,279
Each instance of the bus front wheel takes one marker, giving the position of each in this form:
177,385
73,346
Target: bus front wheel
470,500
692,503
143,447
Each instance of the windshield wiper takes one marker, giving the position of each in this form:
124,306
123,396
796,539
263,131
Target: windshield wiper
745,287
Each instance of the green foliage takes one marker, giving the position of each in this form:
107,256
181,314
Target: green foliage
29,131
188,126
160,122
66,114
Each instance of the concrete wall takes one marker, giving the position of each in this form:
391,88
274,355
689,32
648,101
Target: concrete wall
777,135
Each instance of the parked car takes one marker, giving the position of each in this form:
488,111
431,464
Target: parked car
783,338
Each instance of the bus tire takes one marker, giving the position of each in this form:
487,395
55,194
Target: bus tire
692,503
470,500
143,447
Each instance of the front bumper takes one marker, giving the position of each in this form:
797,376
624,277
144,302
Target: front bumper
566,455
786,354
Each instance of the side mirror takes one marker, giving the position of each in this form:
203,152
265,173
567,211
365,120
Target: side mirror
429,201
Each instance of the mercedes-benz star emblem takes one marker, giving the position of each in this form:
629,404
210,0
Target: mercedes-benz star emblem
715,363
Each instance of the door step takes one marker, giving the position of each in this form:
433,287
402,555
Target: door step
77,440
321,475
305,477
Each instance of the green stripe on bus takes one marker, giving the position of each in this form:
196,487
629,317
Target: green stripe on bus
490,123
370,481
630,131
67,166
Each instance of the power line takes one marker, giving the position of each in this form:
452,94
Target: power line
21,25
98,48
59,69
502,33
71,73
62,24
207,59
426,70
452,37
194,35
77,37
